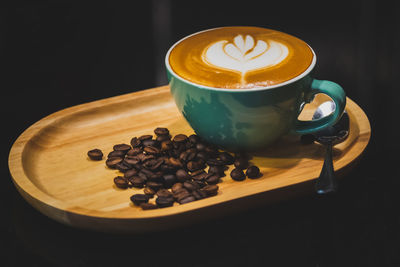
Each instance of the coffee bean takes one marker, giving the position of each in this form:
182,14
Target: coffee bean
195,165
190,185
147,157
200,183
182,175
134,151
130,173
164,193
253,172
95,154
210,190
187,200
132,160
215,162
155,177
112,162
123,167
166,145
145,137
137,181
202,155
169,180
148,191
175,162
241,163
148,206
151,150
176,187
121,182
199,194
150,142
187,155
237,174
200,147
179,138
122,147
181,194
116,153
162,138
164,202
138,199
199,175
194,139
219,170
212,179
154,185
135,142
161,131
227,158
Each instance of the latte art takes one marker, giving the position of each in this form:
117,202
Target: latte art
244,54
239,57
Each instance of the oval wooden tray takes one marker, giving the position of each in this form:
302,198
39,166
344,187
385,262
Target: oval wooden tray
50,168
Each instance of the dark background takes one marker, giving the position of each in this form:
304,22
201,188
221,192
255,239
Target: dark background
56,54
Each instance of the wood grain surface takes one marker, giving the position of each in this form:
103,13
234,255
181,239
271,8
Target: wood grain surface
50,168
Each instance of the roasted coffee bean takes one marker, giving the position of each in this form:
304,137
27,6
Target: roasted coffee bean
150,142
215,162
132,160
194,139
182,175
162,138
166,168
202,155
134,151
175,162
137,181
212,179
122,147
210,190
146,172
145,137
199,175
151,150
130,173
153,164
135,142
199,194
166,145
200,183
179,138
123,167
253,172
211,150
227,158
142,175
187,200
190,185
155,177
176,187
219,170
241,163
116,153
148,191
148,157
112,162
195,165
154,185
238,174
161,131
181,194
187,155
95,154
138,199
164,202
164,193
169,180
148,206
121,182
200,147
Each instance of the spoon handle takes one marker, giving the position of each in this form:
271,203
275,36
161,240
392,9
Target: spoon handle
326,182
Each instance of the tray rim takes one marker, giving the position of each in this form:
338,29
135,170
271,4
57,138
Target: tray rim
38,198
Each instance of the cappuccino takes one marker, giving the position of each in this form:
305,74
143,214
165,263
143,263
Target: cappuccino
240,57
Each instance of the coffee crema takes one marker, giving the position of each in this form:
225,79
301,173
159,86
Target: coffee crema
240,57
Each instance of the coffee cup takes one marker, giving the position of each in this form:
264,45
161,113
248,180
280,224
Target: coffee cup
242,88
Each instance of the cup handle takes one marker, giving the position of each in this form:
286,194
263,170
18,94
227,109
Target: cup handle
334,91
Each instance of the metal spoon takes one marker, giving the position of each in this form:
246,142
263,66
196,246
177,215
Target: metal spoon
330,136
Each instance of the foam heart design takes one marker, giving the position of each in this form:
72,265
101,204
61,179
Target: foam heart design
244,54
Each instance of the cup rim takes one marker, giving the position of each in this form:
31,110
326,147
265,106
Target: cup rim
292,80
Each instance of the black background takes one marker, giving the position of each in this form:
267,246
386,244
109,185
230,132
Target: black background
56,54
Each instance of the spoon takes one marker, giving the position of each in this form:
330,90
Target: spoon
330,136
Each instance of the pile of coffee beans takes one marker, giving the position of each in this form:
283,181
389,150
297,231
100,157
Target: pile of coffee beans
173,169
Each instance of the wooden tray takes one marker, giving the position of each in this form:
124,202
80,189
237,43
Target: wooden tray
50,168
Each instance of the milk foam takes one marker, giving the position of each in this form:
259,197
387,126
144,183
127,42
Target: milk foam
244,54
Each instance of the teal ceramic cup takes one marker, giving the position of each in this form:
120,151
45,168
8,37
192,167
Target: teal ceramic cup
252,119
